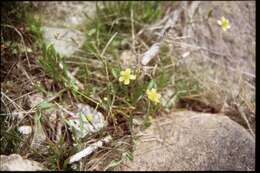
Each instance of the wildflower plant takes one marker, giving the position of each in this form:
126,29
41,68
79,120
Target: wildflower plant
224,23
126,76
153,95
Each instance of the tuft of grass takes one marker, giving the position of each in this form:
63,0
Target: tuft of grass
115,17
10,139
54,66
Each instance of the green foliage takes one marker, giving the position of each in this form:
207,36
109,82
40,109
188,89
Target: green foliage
53,64
115,17
14,12
58,154
34,27
10,140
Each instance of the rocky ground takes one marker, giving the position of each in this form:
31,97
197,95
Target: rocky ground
189,141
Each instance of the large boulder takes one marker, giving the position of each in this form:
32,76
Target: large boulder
15,162
185,141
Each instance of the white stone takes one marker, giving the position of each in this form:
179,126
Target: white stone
90,149
15,162
25,130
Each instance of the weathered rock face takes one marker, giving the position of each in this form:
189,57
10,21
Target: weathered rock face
193,141
65,41
63,14
15,162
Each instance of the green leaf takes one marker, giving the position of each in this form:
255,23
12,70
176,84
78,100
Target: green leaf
113,164
82,119
152,84
44,105
115,72
128,155
210,13
92,31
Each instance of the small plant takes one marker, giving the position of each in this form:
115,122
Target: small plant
224,23
153,95
126,76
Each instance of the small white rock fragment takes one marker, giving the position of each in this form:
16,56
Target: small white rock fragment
150,53
137,121
90,149
25,130
185,54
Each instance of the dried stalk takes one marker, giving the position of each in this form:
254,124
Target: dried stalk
90,149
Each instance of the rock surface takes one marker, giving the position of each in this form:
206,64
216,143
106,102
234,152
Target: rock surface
65,41
186,140
218,59
63,23
15,162
92,121
64,14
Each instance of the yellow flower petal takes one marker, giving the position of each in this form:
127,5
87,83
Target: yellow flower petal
122,73
126,76
224,23
133,77
121,78
128,71
126,82
90,117
153,95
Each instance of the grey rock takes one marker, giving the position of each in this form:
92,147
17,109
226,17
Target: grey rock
65,14
65,41
89,125
192,141
15,162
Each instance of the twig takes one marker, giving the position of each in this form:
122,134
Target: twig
68,112
108,43
90,149
15,105
155,48
103,52
17,113
133,29
19,33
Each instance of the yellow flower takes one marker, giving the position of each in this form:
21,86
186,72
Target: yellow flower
153,95
126,75
224,23
89,117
